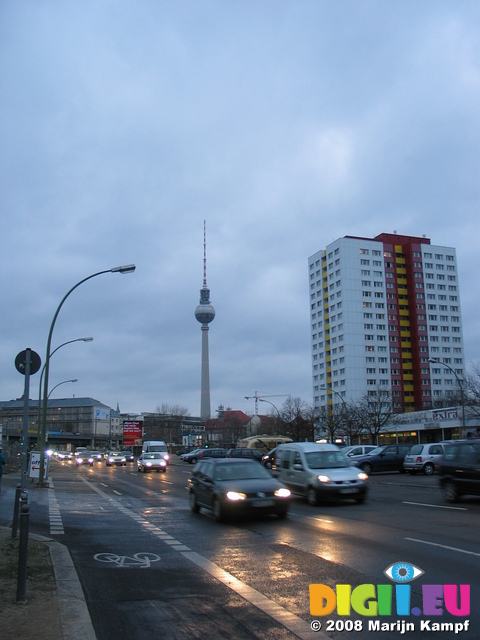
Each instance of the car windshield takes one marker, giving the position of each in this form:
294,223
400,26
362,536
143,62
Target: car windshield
243,471
152,456
326,460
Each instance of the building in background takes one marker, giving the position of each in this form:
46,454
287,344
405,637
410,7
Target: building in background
381,310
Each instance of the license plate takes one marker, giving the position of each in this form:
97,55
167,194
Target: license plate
263,503
348,490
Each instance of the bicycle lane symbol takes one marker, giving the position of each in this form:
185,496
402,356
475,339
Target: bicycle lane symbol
141,560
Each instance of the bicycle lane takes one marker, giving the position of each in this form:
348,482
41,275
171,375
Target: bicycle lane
141,581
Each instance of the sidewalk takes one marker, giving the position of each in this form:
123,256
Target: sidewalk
55,607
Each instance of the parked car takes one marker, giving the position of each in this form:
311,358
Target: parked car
387,458
212,453
459,469
151,462
116,459
356,450
268,459
254,454
236,487
318,472
423,458
192,457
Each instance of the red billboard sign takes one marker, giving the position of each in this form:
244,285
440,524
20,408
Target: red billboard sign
132,433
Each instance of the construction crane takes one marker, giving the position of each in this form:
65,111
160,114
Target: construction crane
264,395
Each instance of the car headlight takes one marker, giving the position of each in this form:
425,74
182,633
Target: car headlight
79,461
148,464
166,457
282,493
234,496
363,476
111,460
163,463
324,479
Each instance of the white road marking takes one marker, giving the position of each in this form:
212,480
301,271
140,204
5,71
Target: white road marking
444,546
435,506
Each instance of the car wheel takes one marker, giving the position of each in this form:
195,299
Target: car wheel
282,514
312,496
428,469
360,499
217,510
193,461
450,492
164,470
144,469
366,467
138,469
193,503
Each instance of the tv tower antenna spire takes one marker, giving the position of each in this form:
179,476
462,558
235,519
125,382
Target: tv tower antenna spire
205,313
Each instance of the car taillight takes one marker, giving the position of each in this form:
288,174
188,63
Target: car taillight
419,458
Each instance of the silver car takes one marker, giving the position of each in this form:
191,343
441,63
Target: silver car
357,450
423,458
151,462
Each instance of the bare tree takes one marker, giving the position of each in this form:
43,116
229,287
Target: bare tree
172,410
297,416
373,411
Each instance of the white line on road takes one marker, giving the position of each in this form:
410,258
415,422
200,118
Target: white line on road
434,506
444,546
290,621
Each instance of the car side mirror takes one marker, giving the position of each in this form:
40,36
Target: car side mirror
298,467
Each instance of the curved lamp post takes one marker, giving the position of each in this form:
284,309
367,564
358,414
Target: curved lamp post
39,419
57,385
329,389
130,268
444,364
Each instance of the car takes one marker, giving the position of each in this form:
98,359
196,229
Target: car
81,457
236,487
94,456
116,459
319,472
243,452
424,458
151,462
356,450
386,458
459,469
268,459
212,453
128,455
192,457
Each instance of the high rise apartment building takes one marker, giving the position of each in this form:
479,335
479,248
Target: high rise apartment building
381,310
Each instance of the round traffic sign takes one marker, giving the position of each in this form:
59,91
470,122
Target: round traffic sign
21,362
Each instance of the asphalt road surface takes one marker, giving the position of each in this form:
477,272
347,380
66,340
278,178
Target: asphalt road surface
150,568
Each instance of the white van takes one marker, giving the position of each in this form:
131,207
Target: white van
319,472
156,446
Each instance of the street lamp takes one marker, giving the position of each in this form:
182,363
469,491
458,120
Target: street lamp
57,385
89,339
329,389
130,268
462,397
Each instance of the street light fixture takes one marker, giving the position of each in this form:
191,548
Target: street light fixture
129,268
462,397
329,389
57,385
88,339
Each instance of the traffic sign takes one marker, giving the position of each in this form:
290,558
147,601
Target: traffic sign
21,361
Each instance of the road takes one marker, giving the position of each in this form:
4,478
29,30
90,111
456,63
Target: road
149,567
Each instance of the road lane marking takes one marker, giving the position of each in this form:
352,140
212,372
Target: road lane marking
54,515
290,621
117,492
434,506
444,546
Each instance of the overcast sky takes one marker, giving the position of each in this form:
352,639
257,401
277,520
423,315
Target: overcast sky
284,124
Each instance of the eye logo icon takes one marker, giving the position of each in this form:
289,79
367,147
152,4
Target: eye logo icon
402,572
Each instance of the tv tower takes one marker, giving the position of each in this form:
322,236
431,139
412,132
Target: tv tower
205,313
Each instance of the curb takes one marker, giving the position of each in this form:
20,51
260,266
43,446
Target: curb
74,615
